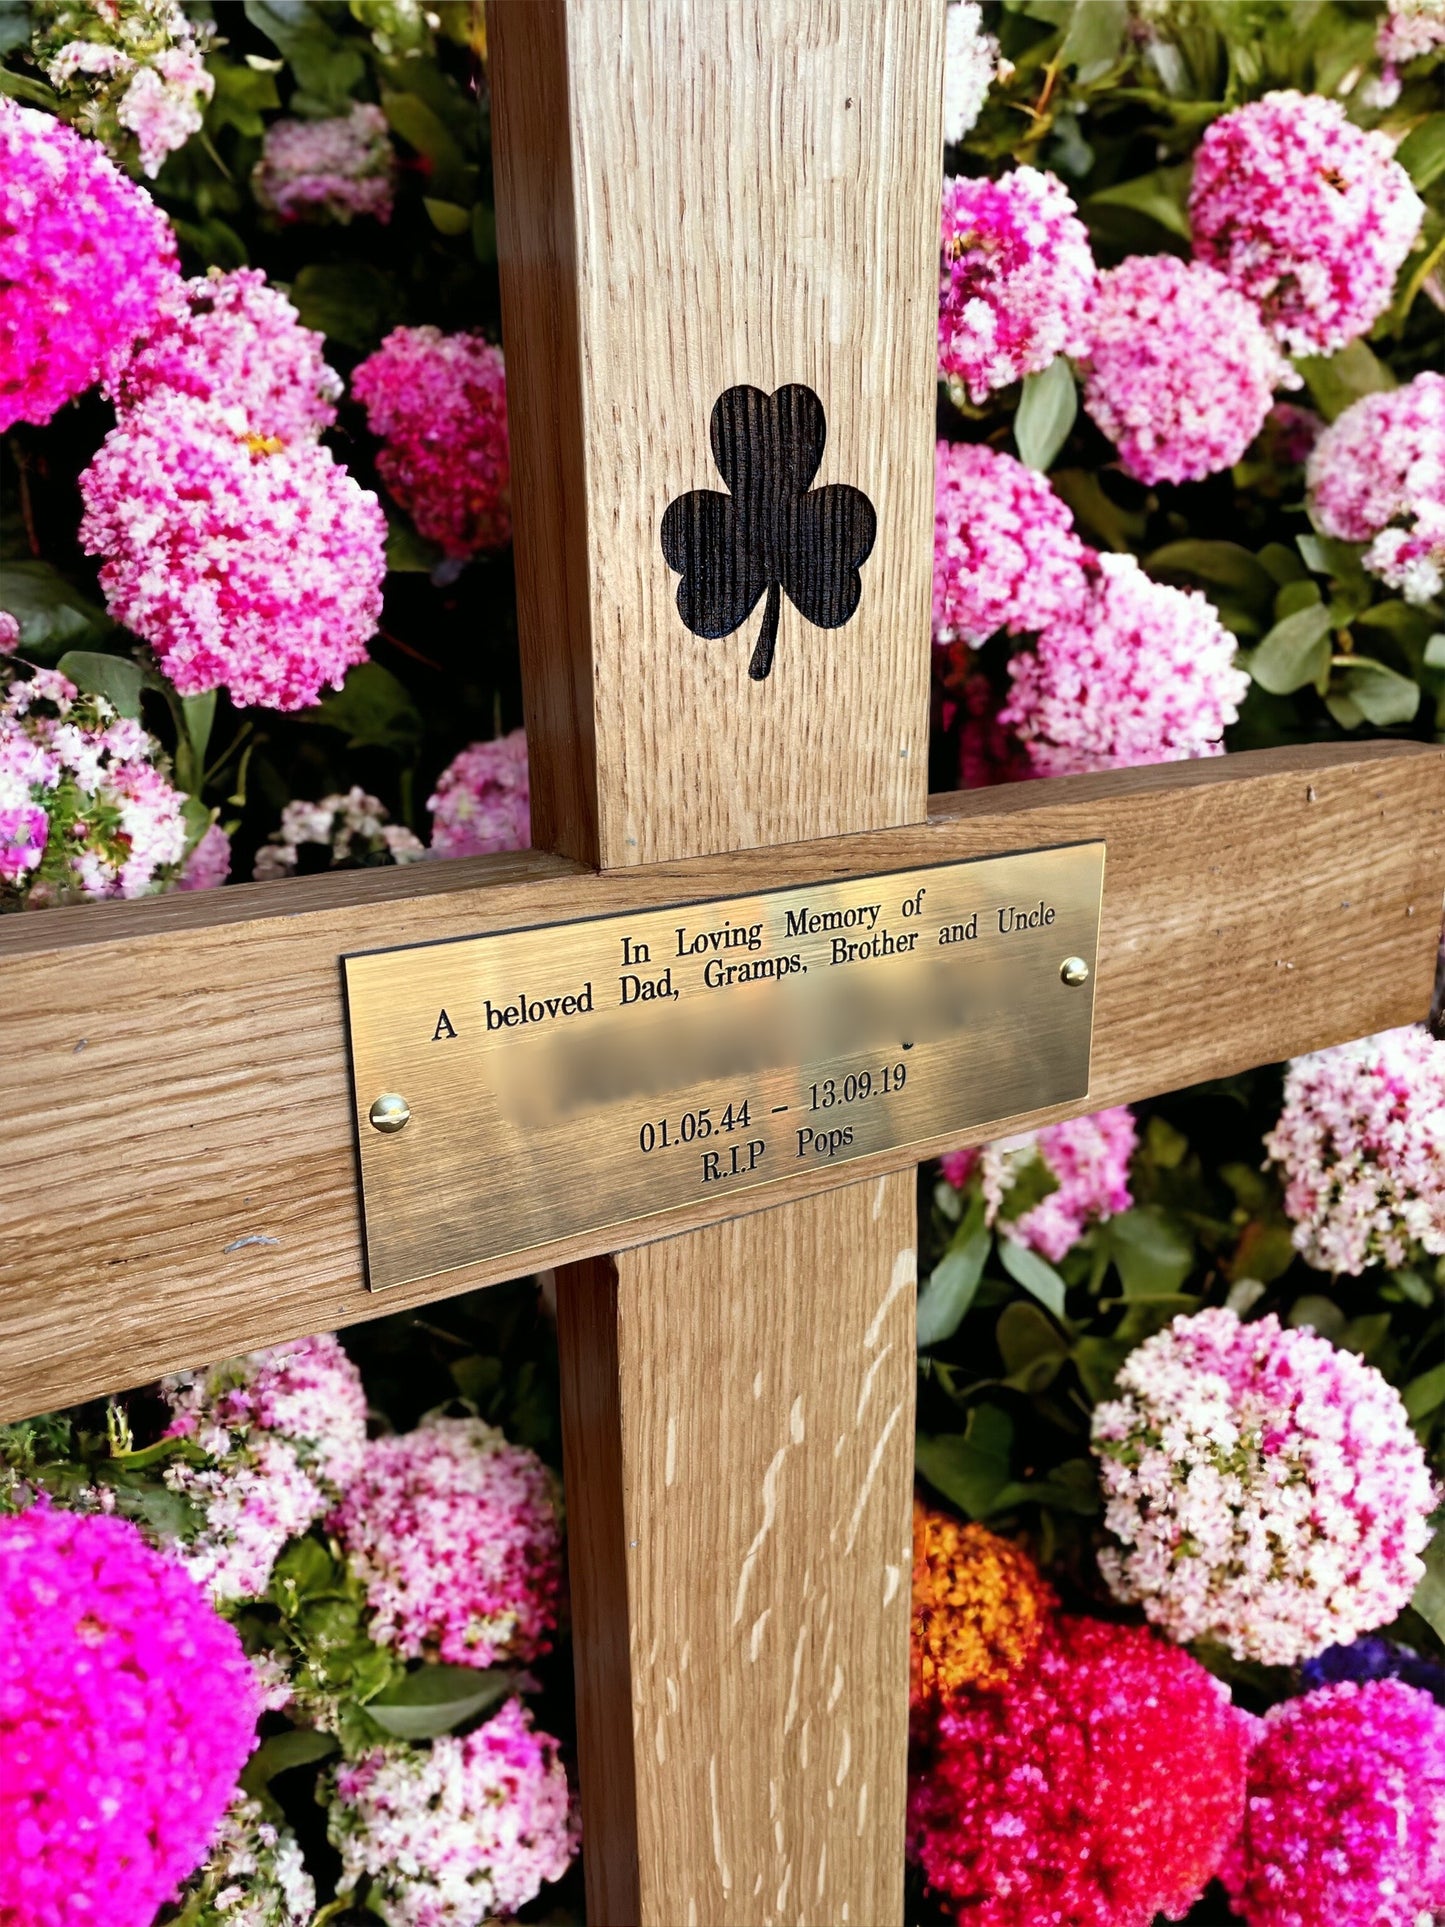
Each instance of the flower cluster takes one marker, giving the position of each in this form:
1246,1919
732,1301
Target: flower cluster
244,563
439,404
9,633
1360,1144
284,1431
84,257
1343,1818
1409,30
980,1608
253,1876
970,59
352,829
130,72
455,1534
339,169
1377,475
1085,1160
1100,1786
1141,673
1307,215
1005,555
87,808
209,863
454,1835
482,800
1015,282
1264,1490
127,1709
1179,372
234,340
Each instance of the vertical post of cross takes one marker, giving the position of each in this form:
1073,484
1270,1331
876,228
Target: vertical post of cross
717,224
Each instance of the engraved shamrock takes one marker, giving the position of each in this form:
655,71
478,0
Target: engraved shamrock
772,532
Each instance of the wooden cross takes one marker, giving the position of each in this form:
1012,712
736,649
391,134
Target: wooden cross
692,195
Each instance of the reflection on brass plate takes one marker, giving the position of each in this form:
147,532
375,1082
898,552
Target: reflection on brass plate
540,1084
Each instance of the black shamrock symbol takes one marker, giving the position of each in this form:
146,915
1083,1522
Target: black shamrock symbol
772,532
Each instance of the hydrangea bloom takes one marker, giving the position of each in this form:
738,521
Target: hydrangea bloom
86,806
980,1608
1409,30
352,829
1015,281
1086,1157
285,1431
84,257
1143,673
1179,373
1343,1821
209,863
1305,214
1264,1490
244,564
1377,475
1005,555
253,1876
1099,1787
130,72
483,801
1360,1144
455,1535
339,169
127,1710
234,340
970,58
457,1834
439,403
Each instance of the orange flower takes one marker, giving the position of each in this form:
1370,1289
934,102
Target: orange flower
980,1607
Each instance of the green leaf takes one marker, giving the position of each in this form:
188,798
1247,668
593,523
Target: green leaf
1224,565
484,233
947,1293
1381,695
408,553
374,709
1095,38
349,301
22,87
1166,1146
50,612
1034,1273
424,129
1046,414
1326,556
1429,1600
299,1746
1029,1185
1337,380
971,1467
1032,1347
1294,653
1282,562
119,679
1317,1313
1071,1487
200,714
1435,652
1425,1394
1152,1250
447,217
1422,152
1161,195
436,1699
1294,596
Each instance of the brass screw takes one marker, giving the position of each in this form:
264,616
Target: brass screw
389,1113
1073,970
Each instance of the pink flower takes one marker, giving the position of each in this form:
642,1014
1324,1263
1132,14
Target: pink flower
455,1536
132,73
85,255
1410,30
1179,372
1015,279
233,340
439,402
1264,1490
1306,215
338,169
1360,1144
1343,1825
209,863
1143,673
969,63
244,564
1377,475
1099,1787
1005,555
353,829
254,1874
9,633
1088,1160
127,1710
482,801
459,1833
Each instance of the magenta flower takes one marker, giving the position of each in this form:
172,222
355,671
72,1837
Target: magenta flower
127,1710
1005,555
482,801
1087,1156
1377,475
209,863
85,255
342,168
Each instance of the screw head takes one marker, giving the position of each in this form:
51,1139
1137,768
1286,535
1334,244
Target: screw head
389,1112
1074,971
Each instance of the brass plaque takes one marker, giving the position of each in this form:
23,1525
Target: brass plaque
538,1084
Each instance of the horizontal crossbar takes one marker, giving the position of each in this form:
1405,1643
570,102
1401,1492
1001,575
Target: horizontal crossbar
180,1179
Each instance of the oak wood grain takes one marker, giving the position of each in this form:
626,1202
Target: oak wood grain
176,1069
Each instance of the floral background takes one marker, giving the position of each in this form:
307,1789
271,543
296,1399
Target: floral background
286,1639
